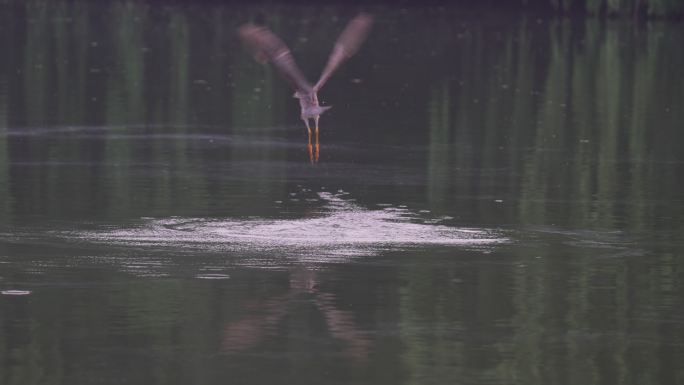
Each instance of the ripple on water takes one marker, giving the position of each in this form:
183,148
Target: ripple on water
342,229
212,276
15,292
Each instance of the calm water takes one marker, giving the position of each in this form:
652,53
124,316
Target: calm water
498,200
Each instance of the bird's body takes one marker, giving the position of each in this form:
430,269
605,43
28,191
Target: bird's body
267,47
309,105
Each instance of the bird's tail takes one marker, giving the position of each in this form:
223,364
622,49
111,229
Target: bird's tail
319,110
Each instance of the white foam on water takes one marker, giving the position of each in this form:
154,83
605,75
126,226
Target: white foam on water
342,228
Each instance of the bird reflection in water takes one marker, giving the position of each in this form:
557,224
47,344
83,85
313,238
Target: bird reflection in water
267,47
263,317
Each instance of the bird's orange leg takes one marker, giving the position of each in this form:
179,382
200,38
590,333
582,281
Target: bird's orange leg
308,131
317,145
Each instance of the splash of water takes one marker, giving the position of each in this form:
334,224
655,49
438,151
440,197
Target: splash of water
343,228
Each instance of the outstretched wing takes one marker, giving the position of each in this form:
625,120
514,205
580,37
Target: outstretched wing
267,47
346,46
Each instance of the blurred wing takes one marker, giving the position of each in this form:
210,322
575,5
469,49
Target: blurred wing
346,45
267,47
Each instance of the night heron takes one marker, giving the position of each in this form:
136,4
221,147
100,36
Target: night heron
267,47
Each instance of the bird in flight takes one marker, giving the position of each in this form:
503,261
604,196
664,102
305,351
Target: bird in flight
267,47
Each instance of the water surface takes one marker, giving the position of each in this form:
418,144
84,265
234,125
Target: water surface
498,200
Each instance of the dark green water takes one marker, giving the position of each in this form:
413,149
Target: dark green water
498,200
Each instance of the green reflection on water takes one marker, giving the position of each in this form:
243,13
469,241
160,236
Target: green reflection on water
570,123
575,110
4,181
